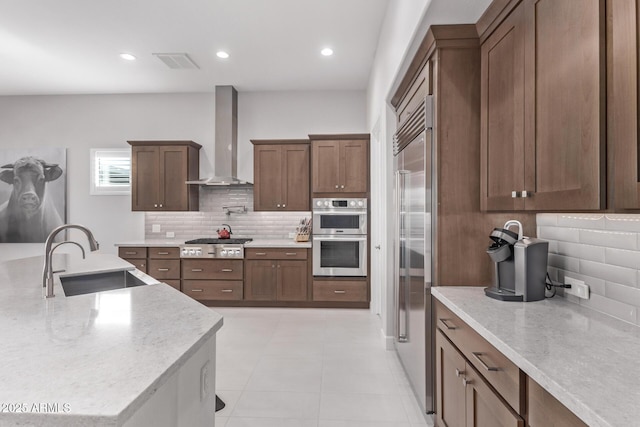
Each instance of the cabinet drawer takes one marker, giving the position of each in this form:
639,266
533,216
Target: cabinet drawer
275,253
499,371
164,269
415,94
213,289
218,269
141,264
132,252
164,253
339,291
173,283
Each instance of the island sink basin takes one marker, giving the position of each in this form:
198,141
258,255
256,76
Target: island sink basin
98,282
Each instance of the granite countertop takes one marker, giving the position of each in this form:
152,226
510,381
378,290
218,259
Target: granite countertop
99,356
152,242
585,359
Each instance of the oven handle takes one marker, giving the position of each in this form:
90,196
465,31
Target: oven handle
341,238
341,212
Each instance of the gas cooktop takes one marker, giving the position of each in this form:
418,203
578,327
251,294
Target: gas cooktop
216,241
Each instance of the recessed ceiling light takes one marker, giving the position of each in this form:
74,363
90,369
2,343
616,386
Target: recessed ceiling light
327,51
222,54
127,56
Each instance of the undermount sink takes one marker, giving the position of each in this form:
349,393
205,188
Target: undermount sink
98,282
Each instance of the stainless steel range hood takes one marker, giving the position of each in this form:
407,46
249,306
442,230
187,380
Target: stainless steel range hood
226,143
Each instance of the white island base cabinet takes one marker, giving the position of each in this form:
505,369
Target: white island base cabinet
188,396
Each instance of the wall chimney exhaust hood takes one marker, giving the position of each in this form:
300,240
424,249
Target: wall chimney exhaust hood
226,143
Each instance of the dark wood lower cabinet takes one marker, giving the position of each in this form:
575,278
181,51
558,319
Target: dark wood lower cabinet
464,398
223,290
276,280
546,411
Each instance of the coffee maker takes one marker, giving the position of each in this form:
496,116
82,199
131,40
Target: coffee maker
520,265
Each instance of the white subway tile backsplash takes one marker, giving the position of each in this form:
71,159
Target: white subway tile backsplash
559,233
611,307
589,221
608,254
204,223
625,276
623,258
610,239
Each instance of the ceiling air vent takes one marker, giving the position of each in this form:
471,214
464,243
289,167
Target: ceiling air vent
177,61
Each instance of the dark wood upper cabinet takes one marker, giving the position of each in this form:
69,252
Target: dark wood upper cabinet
543,108
623,103
281,175
340,164
159,170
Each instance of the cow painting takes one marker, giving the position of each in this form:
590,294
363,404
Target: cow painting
28,216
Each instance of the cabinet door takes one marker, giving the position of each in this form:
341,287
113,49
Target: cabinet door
450,392
268,177
292,280
295,177
623,103
502,115
564,110
545,410
325,175
354,157
260,280
173,172
485,408
144,178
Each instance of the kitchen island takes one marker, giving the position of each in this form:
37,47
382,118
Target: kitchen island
586,360
128,357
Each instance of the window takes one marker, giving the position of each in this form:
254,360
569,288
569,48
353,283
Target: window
110,171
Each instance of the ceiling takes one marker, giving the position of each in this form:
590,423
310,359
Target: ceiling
73,46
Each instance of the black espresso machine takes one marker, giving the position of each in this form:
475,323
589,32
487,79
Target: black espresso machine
520,265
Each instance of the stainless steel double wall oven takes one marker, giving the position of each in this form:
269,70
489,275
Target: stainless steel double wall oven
340,237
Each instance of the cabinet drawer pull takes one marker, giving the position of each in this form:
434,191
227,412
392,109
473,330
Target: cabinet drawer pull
291,253
465,381
163,253
196,270
226,270
131,253
482,362
444,322
459,372
227,291
196,290
261,253
514,194
163,269
339,292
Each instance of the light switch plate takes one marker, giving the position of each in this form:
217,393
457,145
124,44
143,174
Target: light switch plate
578,287
170,234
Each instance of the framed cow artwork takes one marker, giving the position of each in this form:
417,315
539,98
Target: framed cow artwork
32,193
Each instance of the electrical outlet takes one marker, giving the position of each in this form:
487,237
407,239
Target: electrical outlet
578,287
155,228
170,234
292,235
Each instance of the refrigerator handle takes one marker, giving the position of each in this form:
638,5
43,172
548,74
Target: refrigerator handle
401,323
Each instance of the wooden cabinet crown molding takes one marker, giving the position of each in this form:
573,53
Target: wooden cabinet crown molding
438,35
279,141
165,143
497,12
340,136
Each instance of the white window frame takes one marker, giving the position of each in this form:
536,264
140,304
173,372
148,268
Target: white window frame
116,190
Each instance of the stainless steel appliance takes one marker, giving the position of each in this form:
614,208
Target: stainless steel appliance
414,249
340,216
520,265
213,248
340,237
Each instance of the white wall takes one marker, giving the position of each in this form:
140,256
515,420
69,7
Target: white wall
79,123
294,115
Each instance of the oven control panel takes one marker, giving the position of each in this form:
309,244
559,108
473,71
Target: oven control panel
212,251
338,204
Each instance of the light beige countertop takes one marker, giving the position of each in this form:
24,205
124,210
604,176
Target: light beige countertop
95,359
587,360
256,243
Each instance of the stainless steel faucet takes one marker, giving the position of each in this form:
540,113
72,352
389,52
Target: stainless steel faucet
47,273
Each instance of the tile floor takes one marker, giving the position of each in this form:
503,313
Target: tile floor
309,368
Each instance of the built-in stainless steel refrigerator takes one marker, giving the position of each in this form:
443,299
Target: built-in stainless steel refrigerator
414,219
